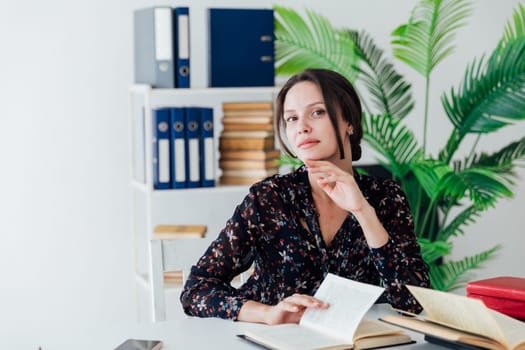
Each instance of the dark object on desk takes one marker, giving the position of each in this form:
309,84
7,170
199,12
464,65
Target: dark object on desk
504,294
261,346
450,344
248,339
139,344
241,51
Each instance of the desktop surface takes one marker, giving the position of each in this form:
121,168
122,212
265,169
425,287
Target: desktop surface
182,333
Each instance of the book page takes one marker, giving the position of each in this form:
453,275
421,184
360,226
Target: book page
458,311
349,301
442,332
513,329
369,328
292,337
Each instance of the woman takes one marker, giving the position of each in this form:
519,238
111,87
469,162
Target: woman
321,218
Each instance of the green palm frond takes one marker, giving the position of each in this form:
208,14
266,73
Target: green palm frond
392,140
312,43
496,170
433,250
515,28
439,181
452,274
483,185
430,173
455,227
491,96
389,91
427,38
503,161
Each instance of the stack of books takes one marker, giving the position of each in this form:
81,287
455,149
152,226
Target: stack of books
247,143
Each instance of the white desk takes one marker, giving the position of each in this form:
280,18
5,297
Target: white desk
183,333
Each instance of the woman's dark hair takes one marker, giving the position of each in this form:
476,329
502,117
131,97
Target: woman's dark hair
339,97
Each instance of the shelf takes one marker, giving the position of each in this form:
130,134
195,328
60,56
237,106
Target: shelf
211,97
222,91
190,191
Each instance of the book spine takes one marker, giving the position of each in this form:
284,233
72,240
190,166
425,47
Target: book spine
182,47
207,148
178,148
192,147
161,148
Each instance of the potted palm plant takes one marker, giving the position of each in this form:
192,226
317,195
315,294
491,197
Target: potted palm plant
446,192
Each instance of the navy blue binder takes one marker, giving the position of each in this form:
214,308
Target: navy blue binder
161,148
241,47
182,46
178,147
192,147
153,47
207,148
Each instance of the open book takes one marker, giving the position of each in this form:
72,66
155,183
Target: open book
457,319
341,326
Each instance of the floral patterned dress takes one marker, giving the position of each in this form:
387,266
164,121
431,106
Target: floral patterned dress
276,228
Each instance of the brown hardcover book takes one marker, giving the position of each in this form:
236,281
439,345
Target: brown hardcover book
247,164
233,180
248,113
250,155
249,172
179,231
246,134
249,120
173,277
227,106
246,144
247,126
460,322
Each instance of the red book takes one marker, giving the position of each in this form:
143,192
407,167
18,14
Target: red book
504,294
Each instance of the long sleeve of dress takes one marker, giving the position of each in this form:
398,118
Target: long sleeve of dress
399,261
208,292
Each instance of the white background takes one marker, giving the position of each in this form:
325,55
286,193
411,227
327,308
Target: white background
65,198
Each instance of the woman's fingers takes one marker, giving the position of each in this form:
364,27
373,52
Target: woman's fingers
325,169
296,302
291,309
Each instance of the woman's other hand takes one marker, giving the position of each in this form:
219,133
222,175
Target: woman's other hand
288,310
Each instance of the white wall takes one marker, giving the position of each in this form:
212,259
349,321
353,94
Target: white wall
65,66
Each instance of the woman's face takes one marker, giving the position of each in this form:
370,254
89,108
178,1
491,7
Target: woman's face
308,126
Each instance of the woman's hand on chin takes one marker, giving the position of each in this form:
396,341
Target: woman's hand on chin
338,184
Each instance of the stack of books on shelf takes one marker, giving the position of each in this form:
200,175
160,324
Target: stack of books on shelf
247,143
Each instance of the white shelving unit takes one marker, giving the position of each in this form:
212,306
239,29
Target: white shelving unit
211,206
